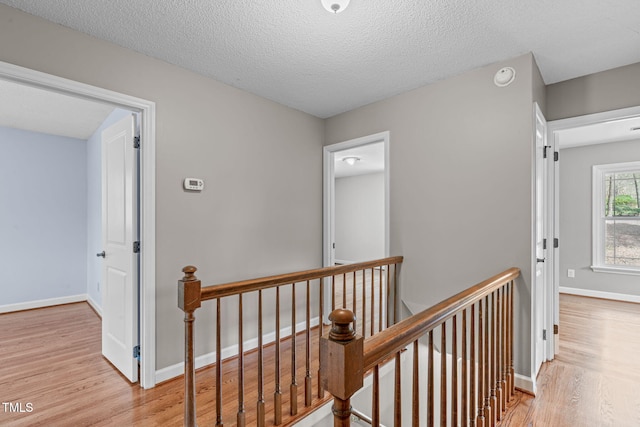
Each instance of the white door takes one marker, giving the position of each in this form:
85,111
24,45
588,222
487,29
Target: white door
119,231
540,285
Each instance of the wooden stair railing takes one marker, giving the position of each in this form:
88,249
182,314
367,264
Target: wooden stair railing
475,396
368,288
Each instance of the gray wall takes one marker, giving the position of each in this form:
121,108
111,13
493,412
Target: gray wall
576,217
595,93
461,183
359,217
260,213
43,216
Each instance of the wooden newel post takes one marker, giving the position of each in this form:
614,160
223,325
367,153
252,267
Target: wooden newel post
189,301
341,364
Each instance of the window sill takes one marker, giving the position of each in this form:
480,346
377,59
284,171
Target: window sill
616,270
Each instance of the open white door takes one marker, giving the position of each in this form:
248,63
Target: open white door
540,281
119,231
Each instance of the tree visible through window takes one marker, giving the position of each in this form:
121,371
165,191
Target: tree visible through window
621,217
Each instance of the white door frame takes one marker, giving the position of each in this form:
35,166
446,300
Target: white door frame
328,193
147,109
553,199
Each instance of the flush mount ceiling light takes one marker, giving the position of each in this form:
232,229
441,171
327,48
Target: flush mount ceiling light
504,77
351,160
335,6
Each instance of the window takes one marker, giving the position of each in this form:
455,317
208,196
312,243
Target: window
616,218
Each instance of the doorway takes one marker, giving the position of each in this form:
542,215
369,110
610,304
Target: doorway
346,161
146,109
567,136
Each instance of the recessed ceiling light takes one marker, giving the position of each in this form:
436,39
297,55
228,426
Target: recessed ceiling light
351,160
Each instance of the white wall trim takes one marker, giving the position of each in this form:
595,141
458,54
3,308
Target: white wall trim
525,383
30,305
147,109
600,294
94,305
207,359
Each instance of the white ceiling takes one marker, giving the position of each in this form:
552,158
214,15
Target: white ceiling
371,160
39,110
612,131
296,53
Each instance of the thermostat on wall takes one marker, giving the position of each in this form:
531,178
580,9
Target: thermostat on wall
193,184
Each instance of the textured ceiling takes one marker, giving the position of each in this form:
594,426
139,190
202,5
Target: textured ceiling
296,53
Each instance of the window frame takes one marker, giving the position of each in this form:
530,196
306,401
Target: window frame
598,217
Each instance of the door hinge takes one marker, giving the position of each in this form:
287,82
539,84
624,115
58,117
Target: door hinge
544,243
556,156
544,334
136,142
544,151
556,243
555,329
136,247
136,352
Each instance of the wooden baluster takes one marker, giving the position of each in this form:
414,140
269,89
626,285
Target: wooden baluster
507,343
333,293
454,370
492,363
480,420
344,290
498,346
430,383
354,304
443,375
464,393
380,301
511,368
388,302
307,379
373,301
396,300
260,405
487,371
364,303
415,405
241,412
189,301
472,362
277,394
503,368
342,361
375,401
293,388
218,364
320,334
397,391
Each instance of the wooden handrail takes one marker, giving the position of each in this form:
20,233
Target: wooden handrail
244,286
191,294
396,337
341,374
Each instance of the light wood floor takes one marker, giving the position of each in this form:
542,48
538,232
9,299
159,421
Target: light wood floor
595,379
51,358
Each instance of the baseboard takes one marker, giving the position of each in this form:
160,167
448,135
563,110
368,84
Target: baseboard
599,294
30,305
94,305
177,369
525,383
